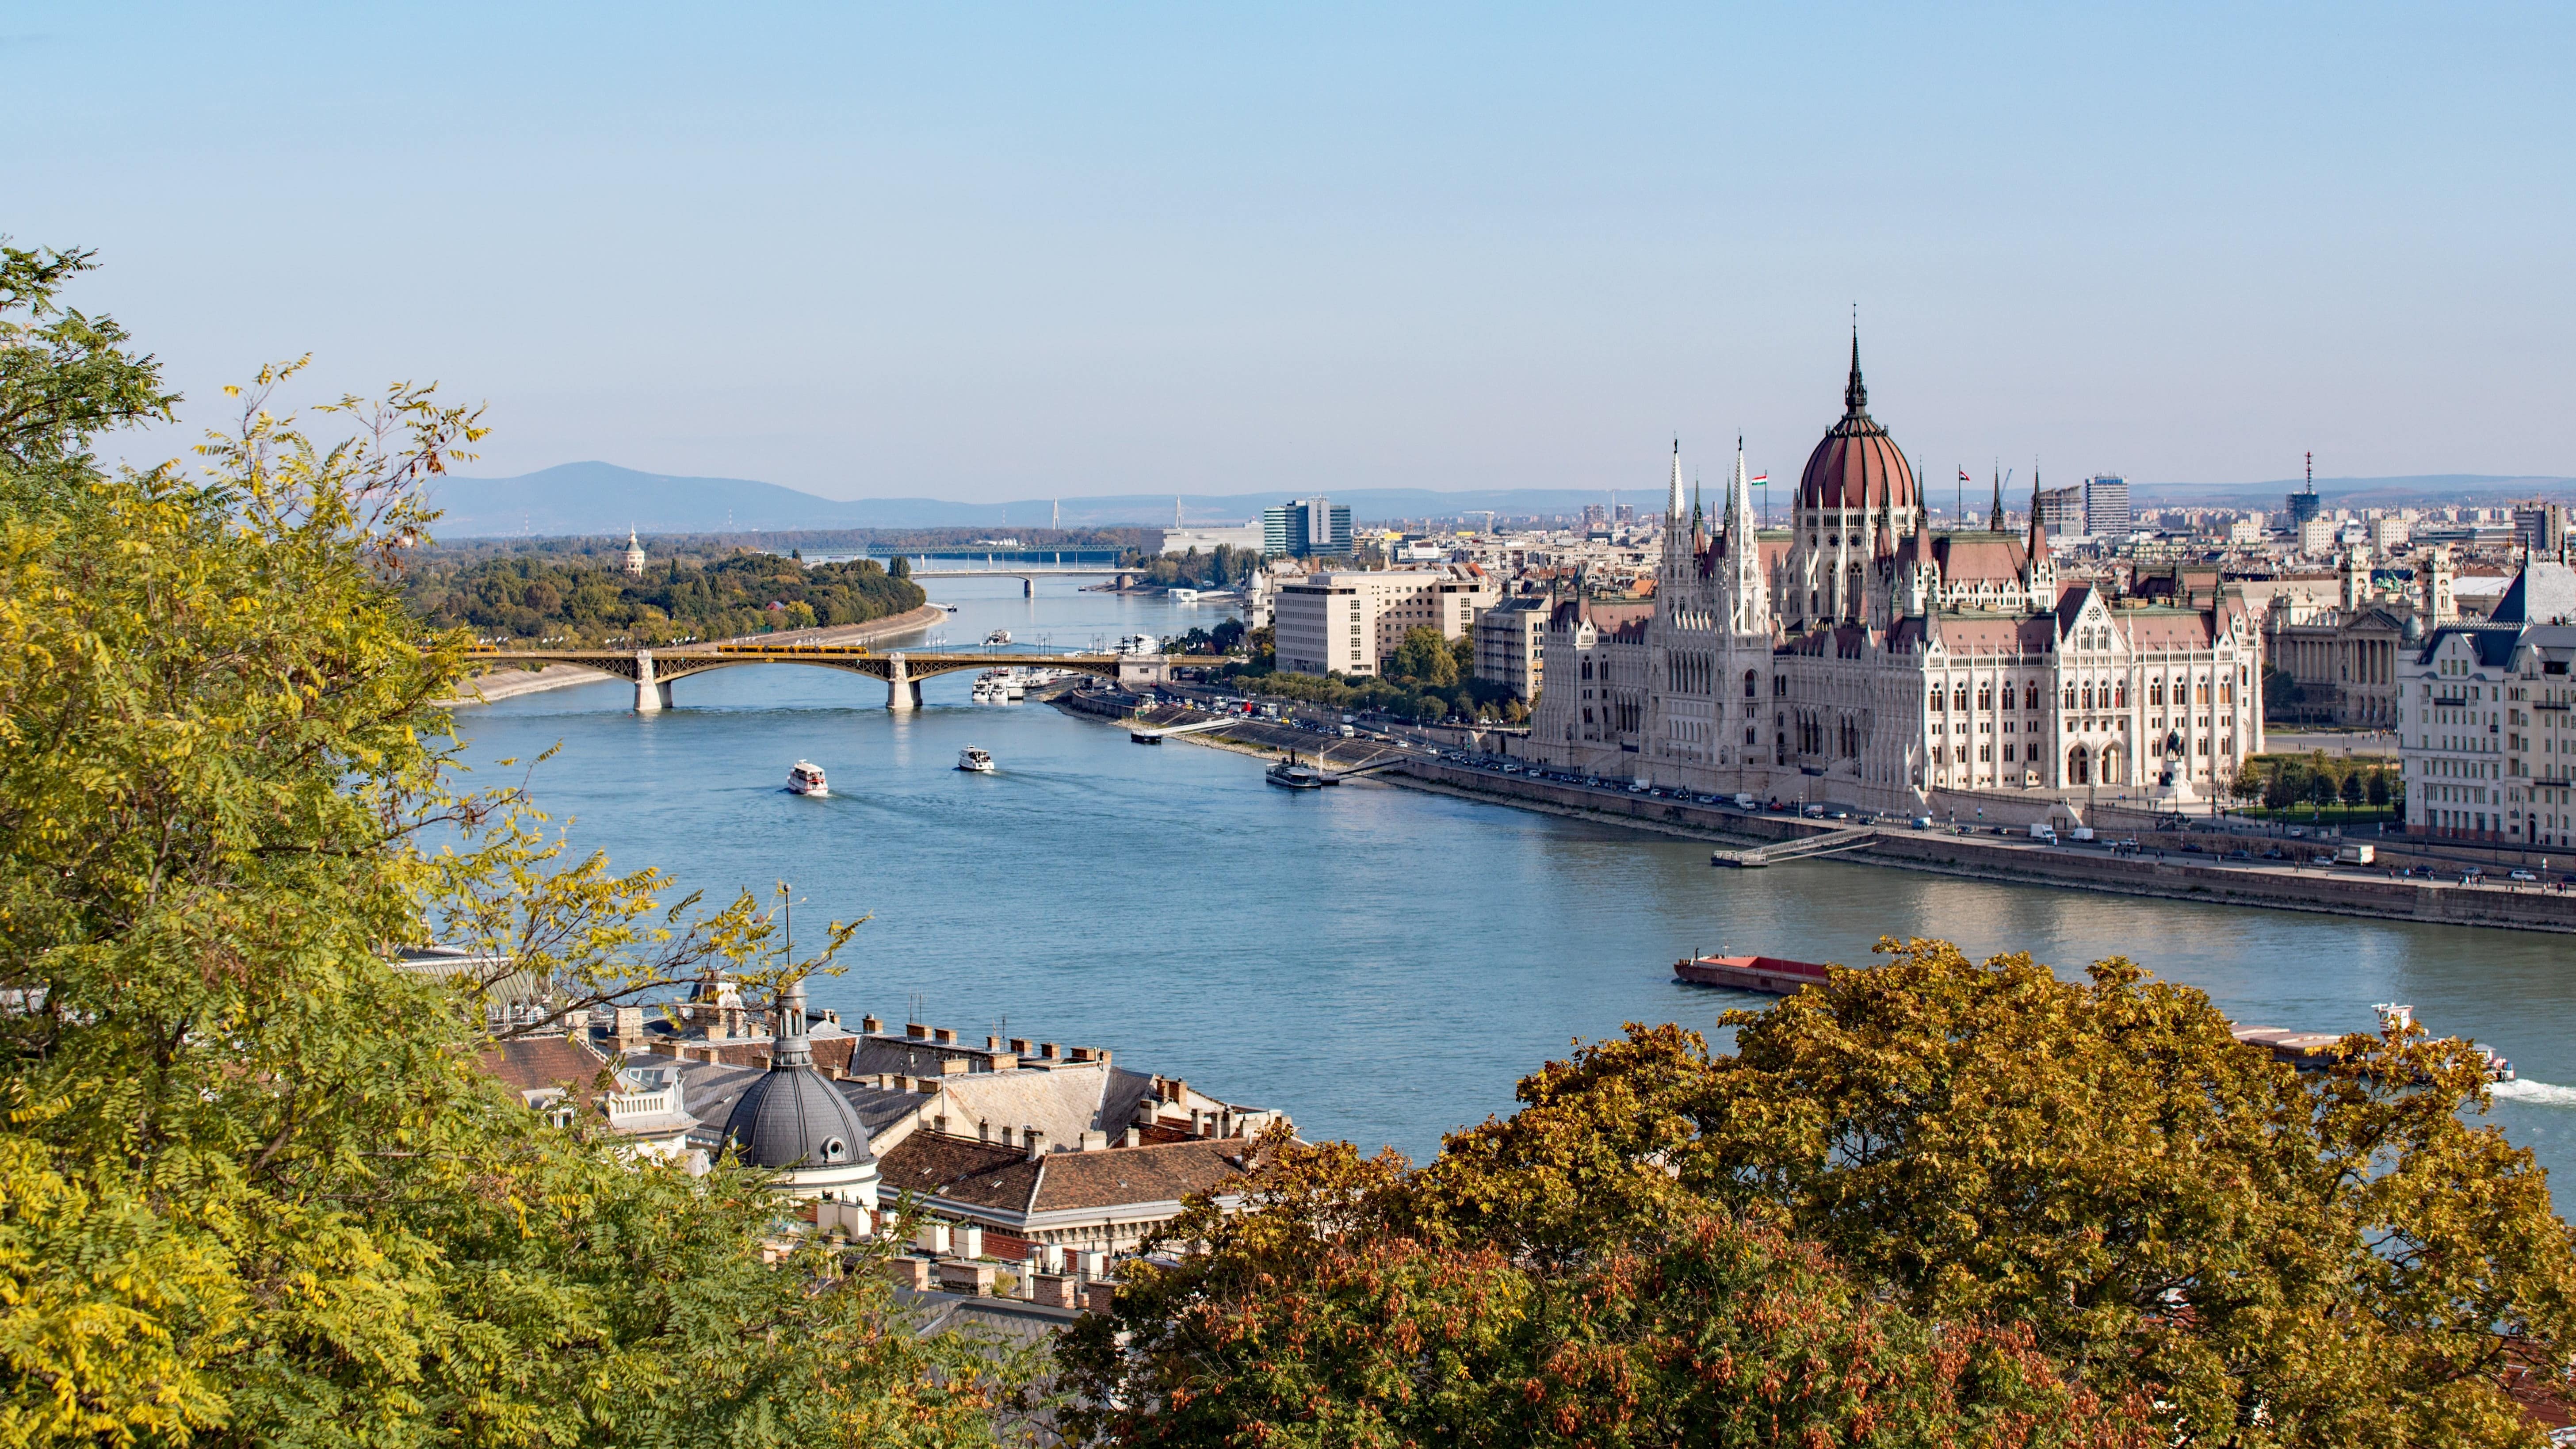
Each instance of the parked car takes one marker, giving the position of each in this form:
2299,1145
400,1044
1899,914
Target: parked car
2524,875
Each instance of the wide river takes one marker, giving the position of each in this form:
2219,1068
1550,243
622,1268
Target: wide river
1381,963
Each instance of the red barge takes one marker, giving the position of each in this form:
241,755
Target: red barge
1770,975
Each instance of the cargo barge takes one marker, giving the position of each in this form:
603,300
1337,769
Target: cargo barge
1770,975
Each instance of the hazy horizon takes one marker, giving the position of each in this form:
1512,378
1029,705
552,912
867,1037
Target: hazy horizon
995,253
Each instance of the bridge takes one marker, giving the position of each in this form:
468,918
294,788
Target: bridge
653,670
1830,842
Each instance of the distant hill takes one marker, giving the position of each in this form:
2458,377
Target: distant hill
602,498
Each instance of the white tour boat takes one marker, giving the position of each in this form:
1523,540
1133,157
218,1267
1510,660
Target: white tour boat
997,637
974,761
806,778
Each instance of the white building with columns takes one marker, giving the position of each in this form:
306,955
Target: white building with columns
1858,656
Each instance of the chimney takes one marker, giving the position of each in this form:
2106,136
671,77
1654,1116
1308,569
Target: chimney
1135,1137
944,1036
954,1066
1092,1142
916,1030
831,1016
992,1043
1083,1054
1005,1062
1019,1046
1036,1141
629,1028
1048,1051
871,1025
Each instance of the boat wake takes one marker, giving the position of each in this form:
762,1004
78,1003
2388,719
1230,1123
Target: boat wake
2546,1094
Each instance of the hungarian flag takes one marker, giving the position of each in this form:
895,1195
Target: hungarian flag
1759,478
1964,478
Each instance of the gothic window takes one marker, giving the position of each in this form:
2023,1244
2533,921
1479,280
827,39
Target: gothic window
2156,692
1587,666
1985,696
2030,695
2070,696
2201,695
2120,694
1959,696
2088,696
1750,692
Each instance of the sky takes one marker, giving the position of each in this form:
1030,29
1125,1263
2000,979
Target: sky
992,252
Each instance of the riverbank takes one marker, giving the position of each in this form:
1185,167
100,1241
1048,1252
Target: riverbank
495,685
2157,870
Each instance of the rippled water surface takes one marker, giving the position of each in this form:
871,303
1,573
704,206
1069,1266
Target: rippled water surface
1381,963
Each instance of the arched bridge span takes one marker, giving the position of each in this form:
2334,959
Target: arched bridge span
652,670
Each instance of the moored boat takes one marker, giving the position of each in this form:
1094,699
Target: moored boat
998,636
806,778
1288,774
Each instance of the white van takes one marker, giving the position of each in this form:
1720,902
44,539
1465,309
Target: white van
2044,831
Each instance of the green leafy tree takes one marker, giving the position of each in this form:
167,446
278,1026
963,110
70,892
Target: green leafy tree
2281,788
2351,790
2248,782
1424,659
2379,787
254,1186
2277,1258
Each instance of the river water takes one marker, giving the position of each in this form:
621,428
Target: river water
1383,964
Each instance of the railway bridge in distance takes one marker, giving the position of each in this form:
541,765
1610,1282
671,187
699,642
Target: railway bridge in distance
653,670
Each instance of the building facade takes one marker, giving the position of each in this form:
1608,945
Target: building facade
1347,622
1305,526
1510,646
2485,741
1858,656
2106,506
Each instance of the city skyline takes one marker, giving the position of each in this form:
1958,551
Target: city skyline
1002,254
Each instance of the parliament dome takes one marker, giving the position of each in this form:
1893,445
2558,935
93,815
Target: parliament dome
1857,466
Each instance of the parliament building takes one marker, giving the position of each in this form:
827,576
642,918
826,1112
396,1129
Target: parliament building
1859,657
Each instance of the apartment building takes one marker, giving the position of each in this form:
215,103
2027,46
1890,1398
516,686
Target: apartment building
2484,731
1345,623
1510,641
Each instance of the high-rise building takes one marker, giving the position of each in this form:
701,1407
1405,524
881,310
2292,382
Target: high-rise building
2106,506
2303,506
2061,512
2541,528
1304,526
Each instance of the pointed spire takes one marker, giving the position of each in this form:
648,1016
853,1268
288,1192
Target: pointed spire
2038,531
1995,518
1855,394
1673,503
788,1046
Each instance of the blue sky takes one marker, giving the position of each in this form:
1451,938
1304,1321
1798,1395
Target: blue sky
998,252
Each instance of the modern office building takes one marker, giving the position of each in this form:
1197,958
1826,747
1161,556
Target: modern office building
1306,526
2303,506
2106,506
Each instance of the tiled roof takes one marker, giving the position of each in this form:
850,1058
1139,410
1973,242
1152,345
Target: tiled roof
976,1174
1994,633
1079,1180
533,1063
1968,558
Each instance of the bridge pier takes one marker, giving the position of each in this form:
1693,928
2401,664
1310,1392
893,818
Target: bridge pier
651,697
902,690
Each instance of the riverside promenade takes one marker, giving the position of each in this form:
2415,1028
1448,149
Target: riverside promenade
2158,868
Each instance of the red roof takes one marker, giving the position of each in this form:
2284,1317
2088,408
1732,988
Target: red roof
1857,465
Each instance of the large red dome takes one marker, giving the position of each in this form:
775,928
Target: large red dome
1857,465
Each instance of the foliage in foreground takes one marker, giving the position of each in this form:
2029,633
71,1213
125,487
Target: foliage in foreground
2012,1205
254,1186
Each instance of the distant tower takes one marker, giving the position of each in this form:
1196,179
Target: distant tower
1176,512
634,555
1055,515
1995,515
2355,575
2439,605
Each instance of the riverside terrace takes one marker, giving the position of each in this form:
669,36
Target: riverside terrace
653,670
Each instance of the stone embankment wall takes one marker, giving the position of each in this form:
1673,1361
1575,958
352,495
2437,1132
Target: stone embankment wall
2193,878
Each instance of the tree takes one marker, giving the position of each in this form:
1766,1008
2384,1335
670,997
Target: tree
2379,788
901,567
254,1186
2282,788
2321,785
2248,782
1424,659
1323,1316
2277,1258
2352,789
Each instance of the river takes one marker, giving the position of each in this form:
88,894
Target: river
1382,964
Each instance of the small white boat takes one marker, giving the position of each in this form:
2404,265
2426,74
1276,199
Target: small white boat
993,686
974,761
806,778
998,636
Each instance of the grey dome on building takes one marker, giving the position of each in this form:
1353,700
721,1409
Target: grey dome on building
793,1117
